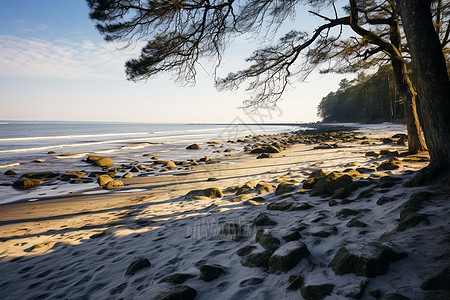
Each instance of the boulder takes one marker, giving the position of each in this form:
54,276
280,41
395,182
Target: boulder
40,175
258,258
356,223
438,281
309,183
296,282
170,164
352,173
212,193
73,175
369,260
194,147
178,292
137,265
322,230
287,256
280,205
330,183
316,292
292,235
113,184
391,164
210,272
10,173
285,187
264,155
300,206
27,183
263,220
264,187
245,188
317,174
104,162
364,170
102,180
266,240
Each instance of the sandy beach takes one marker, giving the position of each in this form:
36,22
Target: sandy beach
242,228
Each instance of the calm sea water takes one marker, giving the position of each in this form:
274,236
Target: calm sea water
22,143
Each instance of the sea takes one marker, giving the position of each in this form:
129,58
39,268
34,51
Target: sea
62,146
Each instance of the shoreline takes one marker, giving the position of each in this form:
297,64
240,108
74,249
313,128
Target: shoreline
179,228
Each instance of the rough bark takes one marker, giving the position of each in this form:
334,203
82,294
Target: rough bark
433,85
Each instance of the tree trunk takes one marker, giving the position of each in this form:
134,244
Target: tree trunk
433,84
416,141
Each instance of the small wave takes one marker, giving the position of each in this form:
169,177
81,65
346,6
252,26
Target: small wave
10,165
63,137
189,130
71,155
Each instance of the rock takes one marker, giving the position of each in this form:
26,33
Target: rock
364,170
264,187
323,230
438,281
272,149
178,292
246,250
104,162
98,235
135,169
408,214
27,184
264,155
372,153
280,205
317,174
266,240
385,199
102,180
330,183
205,159
316,292
285,187
113,184
10,173
292,236
309,183
300,206
170,164
394,296
127,175
73,175
366,194
342,193
356,223
212,193
263,220
412,220
51,152
210,272
40,175
137,265
324,146
402,141
194,147
369,260
258,258
354,289
245,188
251,281
39,161
296,283
232,231
332,202
345,212
287,256
352,173
177,278
391,164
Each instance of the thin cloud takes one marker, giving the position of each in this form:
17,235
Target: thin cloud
62,58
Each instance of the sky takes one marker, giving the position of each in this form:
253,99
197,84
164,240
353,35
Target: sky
55,66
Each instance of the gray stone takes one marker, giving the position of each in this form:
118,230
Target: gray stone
356,223
346,212
210,272
263,220
438,281
280,205
368,260
246,250
287,256
316,292
137,265
323,230
296,283
300,206
266,240
258,258
292,236
412,220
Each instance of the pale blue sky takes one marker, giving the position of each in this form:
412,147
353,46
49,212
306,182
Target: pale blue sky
54,65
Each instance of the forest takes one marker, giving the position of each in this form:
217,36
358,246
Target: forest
367,99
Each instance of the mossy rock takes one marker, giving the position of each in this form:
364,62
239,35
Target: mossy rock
212,193
27,183
104,162
113,184
332,182
194,147
102,180
285,187
266,240
288,256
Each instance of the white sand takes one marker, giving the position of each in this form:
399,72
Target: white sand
176,234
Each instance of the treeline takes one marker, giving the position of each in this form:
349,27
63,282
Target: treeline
367,99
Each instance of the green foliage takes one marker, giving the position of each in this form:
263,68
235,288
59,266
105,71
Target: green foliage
367,99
